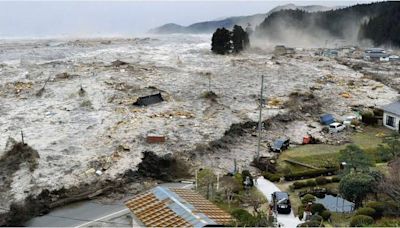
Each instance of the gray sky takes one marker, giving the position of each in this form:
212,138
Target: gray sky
119,18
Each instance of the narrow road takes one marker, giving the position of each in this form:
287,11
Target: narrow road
267,188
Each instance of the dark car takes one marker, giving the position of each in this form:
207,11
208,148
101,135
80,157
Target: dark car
280,144
281,202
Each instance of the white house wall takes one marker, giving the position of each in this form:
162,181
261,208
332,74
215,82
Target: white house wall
396,121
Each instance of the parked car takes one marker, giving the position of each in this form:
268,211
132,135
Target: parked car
281,202
280,144
336,127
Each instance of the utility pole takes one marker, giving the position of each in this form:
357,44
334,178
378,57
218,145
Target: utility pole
195,176
260,118
22,137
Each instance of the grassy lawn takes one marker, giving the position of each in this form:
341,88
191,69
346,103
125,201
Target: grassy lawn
321,155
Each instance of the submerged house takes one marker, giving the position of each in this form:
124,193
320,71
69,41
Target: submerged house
331,53
175,207
149,100
391,116
376,54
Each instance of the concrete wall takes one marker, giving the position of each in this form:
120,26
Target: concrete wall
396,121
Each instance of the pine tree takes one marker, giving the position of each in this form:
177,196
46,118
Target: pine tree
221,41
240,39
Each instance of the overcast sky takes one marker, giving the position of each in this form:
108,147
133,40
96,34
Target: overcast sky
120,18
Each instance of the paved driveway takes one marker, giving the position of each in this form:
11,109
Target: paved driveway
267,188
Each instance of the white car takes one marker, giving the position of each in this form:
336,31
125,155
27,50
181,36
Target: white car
336,127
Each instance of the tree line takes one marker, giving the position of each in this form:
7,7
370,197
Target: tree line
382,26
224,41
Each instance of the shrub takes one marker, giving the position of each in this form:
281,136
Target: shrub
326,215
311,223
272,177
361,220
300,211
243,217
309,174
317,208
311,183
298,184
308,198
246,173
321,180
335,179
391,209
379,208
368,117
388,222
365,211
317,218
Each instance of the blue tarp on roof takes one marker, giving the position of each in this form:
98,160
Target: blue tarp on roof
327,119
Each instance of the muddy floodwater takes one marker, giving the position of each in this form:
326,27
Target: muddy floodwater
73,101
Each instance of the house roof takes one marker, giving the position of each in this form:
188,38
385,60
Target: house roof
376,55
376,50
149,100
166,207
392,108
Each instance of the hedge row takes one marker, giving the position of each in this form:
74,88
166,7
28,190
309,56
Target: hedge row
310,174
272,177
313,183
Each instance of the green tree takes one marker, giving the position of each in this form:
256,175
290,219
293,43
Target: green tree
221,41
391,146
356,186
390,184
240,39
206,180
355,159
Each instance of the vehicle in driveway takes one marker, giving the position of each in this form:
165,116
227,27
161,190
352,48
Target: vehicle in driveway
280,144
281,202
336,127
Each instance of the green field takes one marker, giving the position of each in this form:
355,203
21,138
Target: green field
322,155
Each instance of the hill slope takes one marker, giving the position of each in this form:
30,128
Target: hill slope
300,27
211,26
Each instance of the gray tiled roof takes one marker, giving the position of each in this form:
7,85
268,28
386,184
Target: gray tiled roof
392,108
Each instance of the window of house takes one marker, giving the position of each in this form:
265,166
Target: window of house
390,121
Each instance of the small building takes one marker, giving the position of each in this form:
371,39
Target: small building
376,54
331,53
282,50
175,207
154,138
149,100
391,116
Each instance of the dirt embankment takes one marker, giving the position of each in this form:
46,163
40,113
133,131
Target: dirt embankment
166,168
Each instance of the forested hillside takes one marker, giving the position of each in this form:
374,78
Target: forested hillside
384,28
376,21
